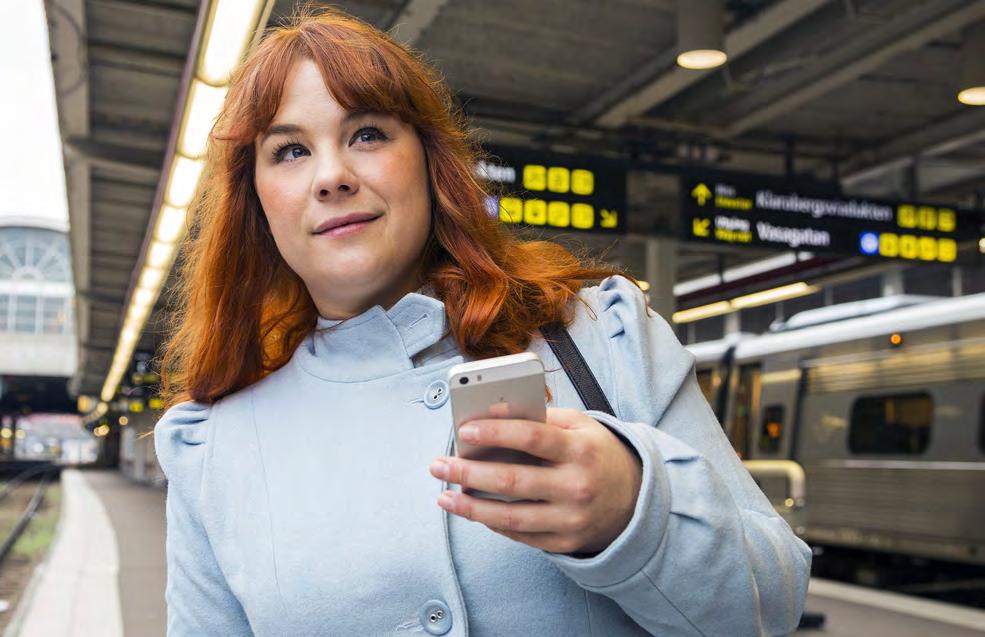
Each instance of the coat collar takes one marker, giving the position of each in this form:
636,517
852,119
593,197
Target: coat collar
375,343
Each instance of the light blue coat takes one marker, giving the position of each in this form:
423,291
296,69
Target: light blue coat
302,505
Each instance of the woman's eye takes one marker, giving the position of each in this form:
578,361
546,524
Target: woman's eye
290,152
368,135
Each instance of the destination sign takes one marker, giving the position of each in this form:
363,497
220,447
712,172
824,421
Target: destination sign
753,210
555,190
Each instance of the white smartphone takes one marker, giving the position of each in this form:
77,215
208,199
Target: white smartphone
501,387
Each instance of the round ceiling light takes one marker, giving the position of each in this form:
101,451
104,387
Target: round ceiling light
700,34
972,90
701,59
974,96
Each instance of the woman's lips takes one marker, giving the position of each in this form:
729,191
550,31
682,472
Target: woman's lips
348,229
346,224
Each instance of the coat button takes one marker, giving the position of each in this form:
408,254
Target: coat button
435,616
436,394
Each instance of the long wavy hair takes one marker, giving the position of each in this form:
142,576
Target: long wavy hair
241,311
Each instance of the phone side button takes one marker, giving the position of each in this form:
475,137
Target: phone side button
436,394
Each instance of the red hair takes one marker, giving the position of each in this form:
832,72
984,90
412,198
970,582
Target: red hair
242,311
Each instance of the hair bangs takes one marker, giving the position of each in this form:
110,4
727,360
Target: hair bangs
255,95
362,71
363,75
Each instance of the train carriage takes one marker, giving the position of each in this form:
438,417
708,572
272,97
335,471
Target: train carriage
881,402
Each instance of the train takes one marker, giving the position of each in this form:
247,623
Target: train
882,403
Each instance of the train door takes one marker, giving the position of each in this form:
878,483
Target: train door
744,411
779,385
712,382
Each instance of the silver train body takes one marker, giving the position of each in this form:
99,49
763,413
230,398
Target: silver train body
882,403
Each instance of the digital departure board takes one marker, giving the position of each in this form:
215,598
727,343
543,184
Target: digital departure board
753,210
555,190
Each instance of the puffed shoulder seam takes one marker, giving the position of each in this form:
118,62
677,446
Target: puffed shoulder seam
617,293
611,293
185,423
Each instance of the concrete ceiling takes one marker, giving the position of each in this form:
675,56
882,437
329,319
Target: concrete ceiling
861,89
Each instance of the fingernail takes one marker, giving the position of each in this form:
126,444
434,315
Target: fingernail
445,502
469,433
439,469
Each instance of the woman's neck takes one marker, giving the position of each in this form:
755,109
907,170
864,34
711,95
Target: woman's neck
345,308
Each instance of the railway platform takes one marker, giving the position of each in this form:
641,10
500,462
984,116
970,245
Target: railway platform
105,577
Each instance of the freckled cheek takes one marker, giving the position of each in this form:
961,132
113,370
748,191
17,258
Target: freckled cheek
282,200
285,221
402,177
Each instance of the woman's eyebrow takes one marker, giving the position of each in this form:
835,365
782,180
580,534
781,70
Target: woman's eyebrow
294,129
281,129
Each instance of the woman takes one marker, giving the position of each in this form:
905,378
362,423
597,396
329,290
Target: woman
342,261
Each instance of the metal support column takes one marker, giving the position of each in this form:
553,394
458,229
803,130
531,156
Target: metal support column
892,282
661,274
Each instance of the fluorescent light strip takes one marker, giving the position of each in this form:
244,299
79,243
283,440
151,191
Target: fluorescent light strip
755,299
183,182
758,267
740,272
774,295
151,278
170,224
701,312
700,283
204,104
228,34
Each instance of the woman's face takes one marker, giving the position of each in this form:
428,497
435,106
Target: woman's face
319,165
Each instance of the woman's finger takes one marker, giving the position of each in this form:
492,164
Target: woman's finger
566,418
513,517
527,482
550,542
536,438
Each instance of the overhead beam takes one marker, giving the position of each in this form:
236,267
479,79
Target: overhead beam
150,8
962,188
114,301
965,128
756,31
67,39
911,30
417,15
135,59
140,164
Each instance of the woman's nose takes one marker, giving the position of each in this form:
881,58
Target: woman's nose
334,177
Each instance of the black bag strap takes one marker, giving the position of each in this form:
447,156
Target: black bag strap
574,365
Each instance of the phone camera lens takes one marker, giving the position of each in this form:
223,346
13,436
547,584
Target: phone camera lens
464,380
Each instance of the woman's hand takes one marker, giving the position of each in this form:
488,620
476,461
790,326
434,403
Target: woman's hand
585,491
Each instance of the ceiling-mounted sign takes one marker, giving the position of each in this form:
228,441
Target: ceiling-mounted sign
763,211
555,190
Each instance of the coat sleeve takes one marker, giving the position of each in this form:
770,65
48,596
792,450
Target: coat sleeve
704,553
198,598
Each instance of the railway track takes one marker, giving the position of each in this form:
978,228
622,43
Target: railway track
21,498
45,472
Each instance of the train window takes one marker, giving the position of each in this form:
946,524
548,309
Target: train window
772,430
746,404
706,381
897,424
